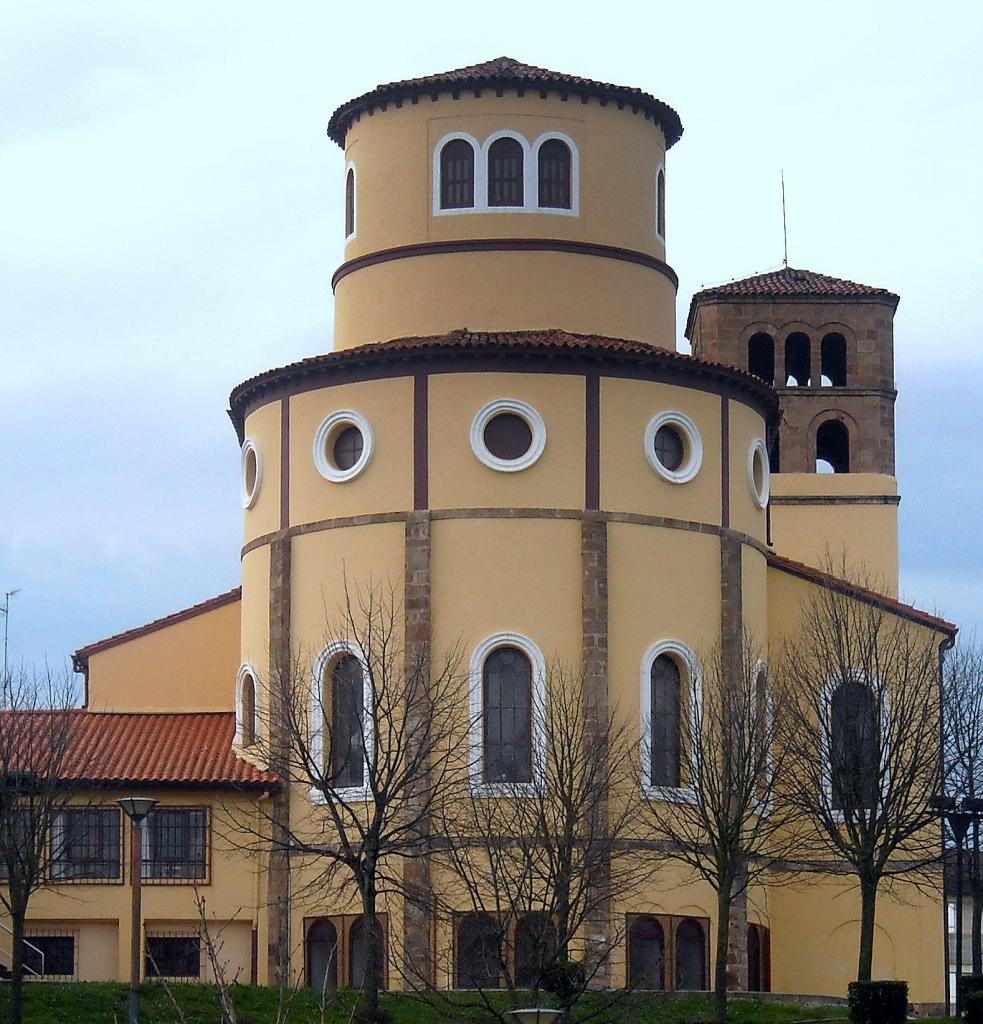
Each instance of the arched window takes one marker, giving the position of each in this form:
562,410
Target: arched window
507,716
660,203
505,172
758,958
665,681
761,357
535,948
833,448
347,740
478,964
457,175
853,746
350,203
322,956
832,354
691,956
358,957
554,175
646,953
797,360
248,699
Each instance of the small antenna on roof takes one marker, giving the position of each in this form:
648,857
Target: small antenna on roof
784,221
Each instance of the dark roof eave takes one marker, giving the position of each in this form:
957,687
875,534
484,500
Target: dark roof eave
190,785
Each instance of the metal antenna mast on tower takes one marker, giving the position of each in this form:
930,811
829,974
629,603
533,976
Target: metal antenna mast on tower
7,690
784,222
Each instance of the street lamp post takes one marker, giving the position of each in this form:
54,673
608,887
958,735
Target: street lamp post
136,808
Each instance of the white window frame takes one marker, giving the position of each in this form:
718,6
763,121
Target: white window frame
532,418
247,669
764,806
323,459
350,166
476,744
692,460
326,659
760,449
692,687
530,174
247,496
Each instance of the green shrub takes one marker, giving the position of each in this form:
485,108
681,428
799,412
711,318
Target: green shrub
565,979
878,1002
973,1006
966,984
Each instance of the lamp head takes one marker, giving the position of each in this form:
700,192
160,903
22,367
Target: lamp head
136,808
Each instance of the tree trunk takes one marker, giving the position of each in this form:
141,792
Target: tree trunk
720,959
977,892
17,968
367,1006
868,898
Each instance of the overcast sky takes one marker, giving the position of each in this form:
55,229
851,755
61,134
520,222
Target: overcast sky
171,214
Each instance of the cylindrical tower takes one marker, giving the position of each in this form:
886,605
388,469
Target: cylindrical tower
504,197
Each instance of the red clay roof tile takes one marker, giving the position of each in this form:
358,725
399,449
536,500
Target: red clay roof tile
503,72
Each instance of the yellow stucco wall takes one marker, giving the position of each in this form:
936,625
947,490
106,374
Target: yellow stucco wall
263,427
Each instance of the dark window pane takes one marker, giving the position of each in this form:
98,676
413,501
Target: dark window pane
761,357
58,952
175,841
832,352
350,203
173,956
660,201
554,174
359,953
478,952
669,448
347,449
507,716
347,722
322,956
797,359
854,753
505,173
665,721
85,843
248,711
833,446
535,948
508,436
456,175
690,956
646,954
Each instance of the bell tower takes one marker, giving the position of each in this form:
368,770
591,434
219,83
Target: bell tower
827,346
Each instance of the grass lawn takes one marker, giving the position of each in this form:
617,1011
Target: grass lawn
90,1003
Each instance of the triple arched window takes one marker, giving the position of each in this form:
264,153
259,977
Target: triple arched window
506,172
799,371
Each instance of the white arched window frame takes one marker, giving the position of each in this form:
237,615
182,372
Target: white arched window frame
476,682
530,174
761,668
250,450
880,695
758,456
692,686
325,663
350,169
574,210
247,671
660,202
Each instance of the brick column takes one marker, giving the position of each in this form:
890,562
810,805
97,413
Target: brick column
418,893
594,662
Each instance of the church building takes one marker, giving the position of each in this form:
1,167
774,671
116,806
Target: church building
506,433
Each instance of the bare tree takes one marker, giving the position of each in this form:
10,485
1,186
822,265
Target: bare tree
530,869
864,737
962,702
371,729
37,763
722,820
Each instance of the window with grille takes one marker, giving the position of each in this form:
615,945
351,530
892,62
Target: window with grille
175,844
507,717
554,174
505,170
52,956
173,956
457,175
85,843
16,829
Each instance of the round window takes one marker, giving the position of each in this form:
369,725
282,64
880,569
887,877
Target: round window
508,435
673,447
251,472
759,473
342,446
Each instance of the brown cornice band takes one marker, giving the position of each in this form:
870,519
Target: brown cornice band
836,499
564,245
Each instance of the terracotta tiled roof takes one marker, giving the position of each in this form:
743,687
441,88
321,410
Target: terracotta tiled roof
549,343
789,283
192,750
503,73
81,656
825,579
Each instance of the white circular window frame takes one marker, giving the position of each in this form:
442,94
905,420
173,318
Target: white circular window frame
692,444
249,495
759,450
327,431
525,412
